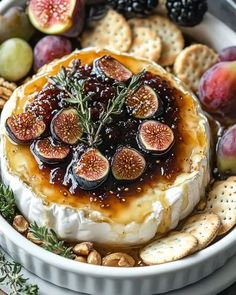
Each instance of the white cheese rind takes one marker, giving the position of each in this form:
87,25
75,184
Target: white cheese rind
89,225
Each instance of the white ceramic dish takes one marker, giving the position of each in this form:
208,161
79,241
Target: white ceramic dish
221,279
133,281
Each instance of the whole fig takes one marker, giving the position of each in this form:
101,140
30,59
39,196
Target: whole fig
15,23
226,152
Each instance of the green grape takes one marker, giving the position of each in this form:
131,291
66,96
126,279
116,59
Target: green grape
16,59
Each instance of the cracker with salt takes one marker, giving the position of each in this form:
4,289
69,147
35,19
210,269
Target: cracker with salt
222,201
146,43
192,62
171,36
111,32
170,248
204,227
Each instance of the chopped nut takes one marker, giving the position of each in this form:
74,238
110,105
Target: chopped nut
20,224
6,90
94,258
118,259
80,259
83,248
32,238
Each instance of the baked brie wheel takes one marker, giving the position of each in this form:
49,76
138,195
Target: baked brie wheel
146,170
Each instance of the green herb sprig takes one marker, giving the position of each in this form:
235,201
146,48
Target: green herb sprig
10,275
116,104
7,203
49,241
74,90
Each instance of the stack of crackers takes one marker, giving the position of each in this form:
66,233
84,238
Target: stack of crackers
155,38
199,230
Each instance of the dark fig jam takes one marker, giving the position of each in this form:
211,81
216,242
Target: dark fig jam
120,131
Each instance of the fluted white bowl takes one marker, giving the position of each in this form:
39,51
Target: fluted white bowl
99,280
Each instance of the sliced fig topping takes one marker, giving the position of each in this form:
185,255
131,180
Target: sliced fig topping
49,152
128,164
144,103
109,67
66,126
25,127
155,137
91,170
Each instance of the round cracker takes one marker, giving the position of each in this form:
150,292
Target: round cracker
192,62
146,43
111,32
171,36
222,201
170,248
204,227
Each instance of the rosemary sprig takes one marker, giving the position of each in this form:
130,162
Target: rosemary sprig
50,241
7,203
74,89
10,275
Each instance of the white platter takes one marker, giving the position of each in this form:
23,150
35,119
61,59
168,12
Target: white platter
132,281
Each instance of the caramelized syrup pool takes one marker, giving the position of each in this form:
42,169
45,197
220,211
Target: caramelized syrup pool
121,131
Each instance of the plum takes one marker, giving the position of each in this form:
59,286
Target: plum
226,152
228,54
217,91
50,48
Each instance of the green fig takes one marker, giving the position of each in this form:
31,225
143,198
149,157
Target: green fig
226,152
15,23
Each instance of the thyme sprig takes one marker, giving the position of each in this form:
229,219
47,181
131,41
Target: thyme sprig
10,275
116,104
74,89
49,241
7,203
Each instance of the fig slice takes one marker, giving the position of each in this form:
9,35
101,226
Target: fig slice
54,16
49,152
128,164
155,137
66,126
143,103
25,127
109,67
91,170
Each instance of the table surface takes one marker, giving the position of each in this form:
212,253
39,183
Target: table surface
227,14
